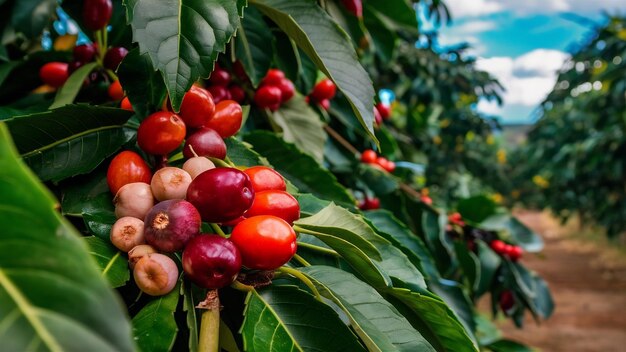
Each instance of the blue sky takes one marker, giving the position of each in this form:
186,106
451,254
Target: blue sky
523,43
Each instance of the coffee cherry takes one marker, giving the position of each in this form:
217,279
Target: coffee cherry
197,165
54,74
115,91
325,104
265,242
219,77
134,199
114,57
155,274
161,133
237,93
126,233
127,167
219,93
221,194
96,13
506,301
169,225
211,261
227,118
273,78
426,200
126,105
325,89
354,7
287,89
378,119
268,97
277,203
84,53
497,246
384,110
205,142
197,107
370,204
264,178
138,252
515,253
170,183
369,156
73,66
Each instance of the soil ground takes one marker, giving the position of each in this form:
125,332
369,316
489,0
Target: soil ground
588,282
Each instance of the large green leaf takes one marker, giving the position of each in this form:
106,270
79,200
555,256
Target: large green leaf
241,153
376,321
154,327
253,45
113,265
477,208
437,321
398,233
70,140
68,92
301,126
143,85
329,47
299,168
52,296
340,222
285,318
182,37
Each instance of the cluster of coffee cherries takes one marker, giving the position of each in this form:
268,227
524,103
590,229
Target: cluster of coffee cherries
322,93
222,87
369,203
275,89
513,252
163,213
370,157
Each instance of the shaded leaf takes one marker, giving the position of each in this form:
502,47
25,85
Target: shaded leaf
68,92
143,85
52,295
252,45
154,327
113,265
285,318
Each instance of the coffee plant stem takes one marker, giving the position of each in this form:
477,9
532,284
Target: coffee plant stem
318,248
241,287
218,230
208,340
300,276
301,260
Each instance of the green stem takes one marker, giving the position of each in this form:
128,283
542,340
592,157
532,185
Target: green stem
229,162
218,230
318,249
300,276
208,340
241,287
301,260
219,162
111,75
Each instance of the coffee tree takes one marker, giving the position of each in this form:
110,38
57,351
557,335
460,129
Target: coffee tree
221,175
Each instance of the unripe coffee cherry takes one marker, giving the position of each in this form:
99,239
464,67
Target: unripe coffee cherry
138,252
156,274
197,165
170,183
134,199
126,233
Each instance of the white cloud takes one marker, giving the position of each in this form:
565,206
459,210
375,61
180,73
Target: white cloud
474,8
466,32
527,78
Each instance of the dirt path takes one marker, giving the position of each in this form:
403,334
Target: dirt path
588,282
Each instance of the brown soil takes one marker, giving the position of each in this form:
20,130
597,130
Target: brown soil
588,283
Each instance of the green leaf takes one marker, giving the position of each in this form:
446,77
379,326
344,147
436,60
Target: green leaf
489,264
241,153
285,318
469,263
520,233
30,17
444,328
329,47
52,296
508,346
68,92
301,126
154,327
384,38
70,140
227,339
143,85
182,37
306,174
477,208
376,321
398,14
189,306
401,236
253,47
287,57
113,265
